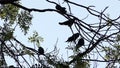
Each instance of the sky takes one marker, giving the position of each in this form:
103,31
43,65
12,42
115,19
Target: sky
46,23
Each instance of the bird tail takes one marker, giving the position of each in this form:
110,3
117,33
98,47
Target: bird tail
61,23
76,48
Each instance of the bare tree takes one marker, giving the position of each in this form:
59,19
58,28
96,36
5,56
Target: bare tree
90,38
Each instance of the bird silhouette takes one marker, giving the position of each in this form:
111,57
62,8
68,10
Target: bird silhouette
40,51
61,9
80,43
73,37
68,22
7,1
11,66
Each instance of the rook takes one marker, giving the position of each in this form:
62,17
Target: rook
40,51
73,37
80,43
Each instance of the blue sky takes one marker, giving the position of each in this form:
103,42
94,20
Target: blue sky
46,24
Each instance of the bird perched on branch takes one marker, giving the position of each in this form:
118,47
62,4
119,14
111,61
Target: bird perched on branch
61,9
80,43
73,37
40,51
68,22
7,1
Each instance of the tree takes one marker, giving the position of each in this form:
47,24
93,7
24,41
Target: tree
98,38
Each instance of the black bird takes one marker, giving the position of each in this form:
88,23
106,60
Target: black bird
11,66
80,43
68,22
40,51
7,1
73,37
61,9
